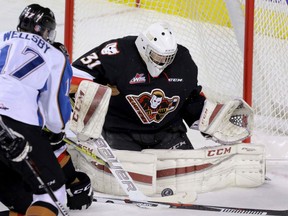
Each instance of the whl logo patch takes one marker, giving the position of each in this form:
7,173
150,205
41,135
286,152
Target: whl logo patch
139,78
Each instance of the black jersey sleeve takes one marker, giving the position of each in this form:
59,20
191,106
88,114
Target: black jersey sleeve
193,106
107,61
91,63
194,99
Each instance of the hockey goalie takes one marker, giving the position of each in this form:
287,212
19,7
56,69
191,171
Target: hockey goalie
172,171
154,91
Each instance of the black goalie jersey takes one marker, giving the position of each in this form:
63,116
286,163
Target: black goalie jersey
140,102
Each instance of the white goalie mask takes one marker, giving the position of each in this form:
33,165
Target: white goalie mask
157,47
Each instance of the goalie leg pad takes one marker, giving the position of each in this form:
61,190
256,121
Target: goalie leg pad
140,166
205,170
180,171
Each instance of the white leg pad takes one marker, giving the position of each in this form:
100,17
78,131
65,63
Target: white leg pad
204,170
178,171
140,166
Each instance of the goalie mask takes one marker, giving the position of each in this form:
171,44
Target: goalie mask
38,20
157,47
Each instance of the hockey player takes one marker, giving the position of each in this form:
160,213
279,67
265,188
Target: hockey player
34,84
154,87
154,90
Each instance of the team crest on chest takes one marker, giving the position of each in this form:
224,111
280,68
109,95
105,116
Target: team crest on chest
152,106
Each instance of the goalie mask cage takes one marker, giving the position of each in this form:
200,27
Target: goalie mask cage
220,39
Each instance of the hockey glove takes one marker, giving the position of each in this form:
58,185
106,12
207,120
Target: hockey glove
15,149
53,138
227,123
80,194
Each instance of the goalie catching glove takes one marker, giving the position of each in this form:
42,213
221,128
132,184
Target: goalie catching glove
227,123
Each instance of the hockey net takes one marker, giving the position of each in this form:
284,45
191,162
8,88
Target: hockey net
213,30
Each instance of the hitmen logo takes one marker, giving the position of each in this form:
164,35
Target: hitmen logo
154,106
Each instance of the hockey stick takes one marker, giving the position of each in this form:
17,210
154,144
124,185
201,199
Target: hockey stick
124,179
34,170
48,190
86,151
197,207
115,167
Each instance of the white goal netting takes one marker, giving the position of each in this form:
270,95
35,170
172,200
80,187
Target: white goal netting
213,30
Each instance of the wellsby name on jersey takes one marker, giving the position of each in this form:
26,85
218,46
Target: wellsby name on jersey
22,35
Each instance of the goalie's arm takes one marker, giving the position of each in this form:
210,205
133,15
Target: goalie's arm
78,77
89,66
193,107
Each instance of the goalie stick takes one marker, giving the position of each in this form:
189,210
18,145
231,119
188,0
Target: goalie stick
196,207
124,179
111,162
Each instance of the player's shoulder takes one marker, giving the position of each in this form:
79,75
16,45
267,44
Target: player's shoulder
28,41
123,41
182,49
183,52
61,47
127,41
184,55
116,48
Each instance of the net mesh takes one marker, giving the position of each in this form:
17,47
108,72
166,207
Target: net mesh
207,29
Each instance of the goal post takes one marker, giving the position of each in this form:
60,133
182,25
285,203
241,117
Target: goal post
228,40
68,26
248,51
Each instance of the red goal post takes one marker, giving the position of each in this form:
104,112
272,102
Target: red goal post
220,38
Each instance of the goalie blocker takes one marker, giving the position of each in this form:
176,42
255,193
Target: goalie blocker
91,105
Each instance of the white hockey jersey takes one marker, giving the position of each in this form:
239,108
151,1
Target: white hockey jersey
34,81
